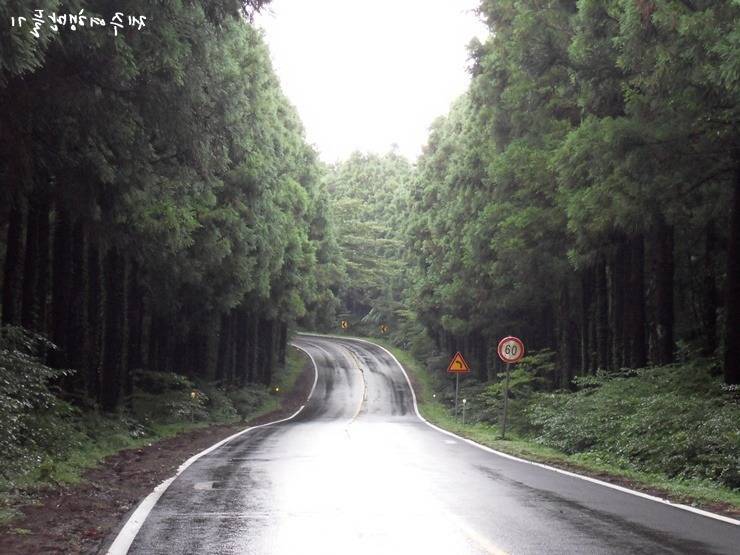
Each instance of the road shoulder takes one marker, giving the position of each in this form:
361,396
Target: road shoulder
83,517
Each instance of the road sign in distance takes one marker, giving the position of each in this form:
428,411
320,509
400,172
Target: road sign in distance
510,349
344,324
384,328
458,365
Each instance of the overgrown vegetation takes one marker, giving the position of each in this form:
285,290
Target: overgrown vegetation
46,441
676,420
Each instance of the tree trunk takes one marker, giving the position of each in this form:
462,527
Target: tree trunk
179,354
586,299
602,316
254,334
636,300
165,339
282,343
241,347
709,290
94,319
480,356
732,320
135,305
618,286
266,354
114,330
61,286
568,340
223,348
29,314
42,280
12,267
133,317
664,309
76,336
261,359
154,343
232,360
269,336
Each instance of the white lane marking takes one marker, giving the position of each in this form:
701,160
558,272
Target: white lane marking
450,442
688,508
126,536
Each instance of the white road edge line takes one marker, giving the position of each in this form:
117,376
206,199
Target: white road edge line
126,536
707,514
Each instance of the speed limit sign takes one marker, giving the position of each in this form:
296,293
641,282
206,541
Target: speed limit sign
510,349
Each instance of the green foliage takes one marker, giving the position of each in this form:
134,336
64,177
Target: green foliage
248,400
593,131
531,374
367,195
160,382
62,443
675,420
32,418
176,150
170,397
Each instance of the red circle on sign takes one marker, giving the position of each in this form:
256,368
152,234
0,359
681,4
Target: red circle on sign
510,349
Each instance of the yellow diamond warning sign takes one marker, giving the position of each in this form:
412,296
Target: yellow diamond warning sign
458,364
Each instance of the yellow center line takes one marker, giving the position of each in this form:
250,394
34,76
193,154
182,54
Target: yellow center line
364,385
480,540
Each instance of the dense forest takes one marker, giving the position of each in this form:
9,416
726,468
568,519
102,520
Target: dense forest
161,213
583,194
160,207
367,197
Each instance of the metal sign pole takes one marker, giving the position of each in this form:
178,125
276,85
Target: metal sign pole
457,385
506,401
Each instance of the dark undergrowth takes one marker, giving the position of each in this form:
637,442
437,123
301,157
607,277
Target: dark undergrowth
47,441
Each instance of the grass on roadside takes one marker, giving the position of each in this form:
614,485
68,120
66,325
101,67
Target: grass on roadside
689,491
92,437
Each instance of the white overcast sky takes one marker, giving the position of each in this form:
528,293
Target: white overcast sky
365,74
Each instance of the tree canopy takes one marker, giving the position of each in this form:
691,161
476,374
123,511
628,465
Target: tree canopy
163,209
578,194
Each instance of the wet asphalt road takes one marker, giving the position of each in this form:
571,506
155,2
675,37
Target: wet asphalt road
356,472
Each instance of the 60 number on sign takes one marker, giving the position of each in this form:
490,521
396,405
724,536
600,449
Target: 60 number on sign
510,349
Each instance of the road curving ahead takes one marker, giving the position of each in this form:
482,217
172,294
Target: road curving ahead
358,471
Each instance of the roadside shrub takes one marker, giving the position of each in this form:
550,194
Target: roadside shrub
218,403
247,400
168,397
675,420
32,418
525,379
159,382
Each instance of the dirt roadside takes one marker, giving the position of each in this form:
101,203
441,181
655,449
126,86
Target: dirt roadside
78,519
